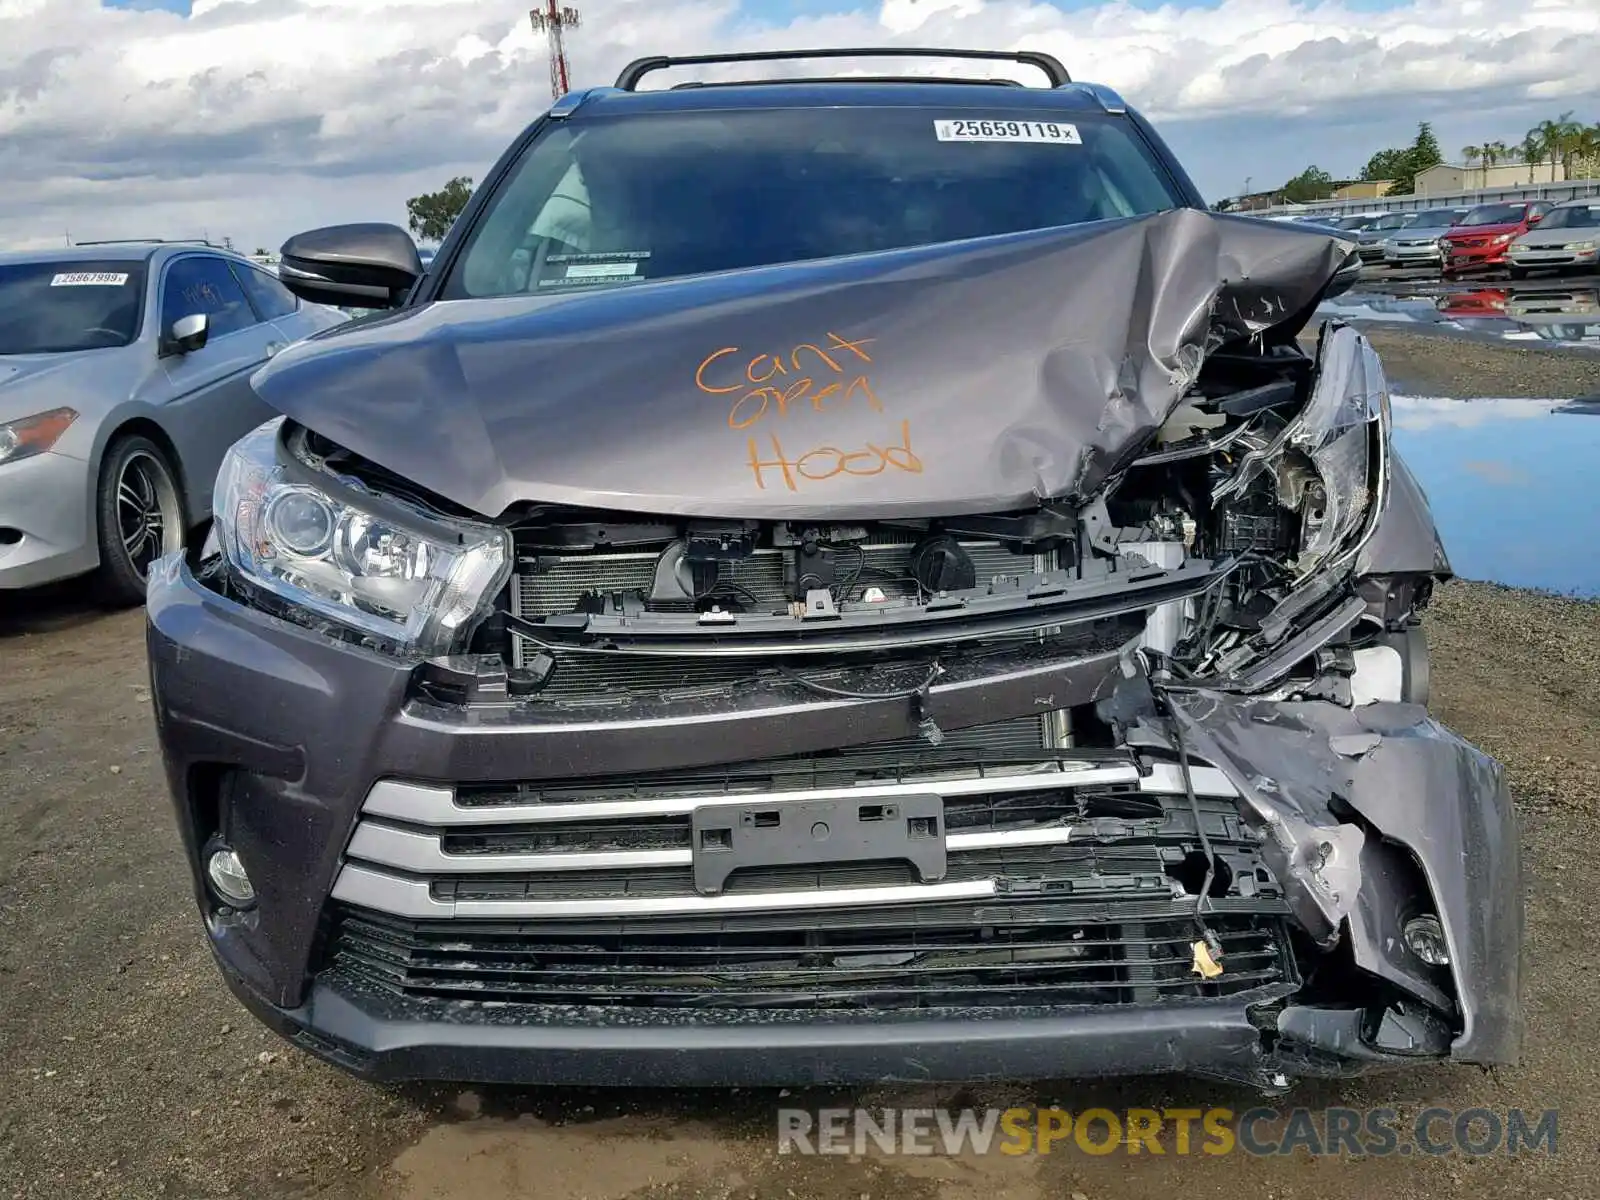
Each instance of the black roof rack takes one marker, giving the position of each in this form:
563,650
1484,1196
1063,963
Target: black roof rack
711,83
628,81
151,242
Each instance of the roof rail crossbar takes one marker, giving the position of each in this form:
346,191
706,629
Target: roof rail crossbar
140,241
691,84
628,81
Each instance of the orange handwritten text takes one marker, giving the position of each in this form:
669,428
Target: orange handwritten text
772,382
825,462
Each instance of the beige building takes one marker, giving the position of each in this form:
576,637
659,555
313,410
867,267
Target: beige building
1447,178
1363,189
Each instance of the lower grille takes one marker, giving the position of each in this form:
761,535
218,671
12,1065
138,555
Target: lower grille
887,964
1067,880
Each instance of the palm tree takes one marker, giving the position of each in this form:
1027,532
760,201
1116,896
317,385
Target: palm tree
1532,151
1472,154
1586,150
1555,137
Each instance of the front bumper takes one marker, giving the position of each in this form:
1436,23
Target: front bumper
1469,258
1554,257
274,737
1412,256
44,520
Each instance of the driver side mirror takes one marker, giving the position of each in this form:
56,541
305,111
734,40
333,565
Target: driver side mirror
1535,218
187,334
351,266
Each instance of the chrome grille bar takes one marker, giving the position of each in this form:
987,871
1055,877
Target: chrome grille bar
366,888
424,853
419,804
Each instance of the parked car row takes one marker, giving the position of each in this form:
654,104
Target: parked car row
1520,236
124,378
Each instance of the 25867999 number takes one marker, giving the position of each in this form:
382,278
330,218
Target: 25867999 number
1054,132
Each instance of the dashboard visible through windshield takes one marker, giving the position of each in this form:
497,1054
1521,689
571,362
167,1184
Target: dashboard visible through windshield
613,201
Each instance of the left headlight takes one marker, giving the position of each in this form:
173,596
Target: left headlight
1330,461
1343,431
33,435
409,577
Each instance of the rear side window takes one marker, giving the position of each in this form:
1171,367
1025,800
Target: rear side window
271,298
62,307
605,202
200,283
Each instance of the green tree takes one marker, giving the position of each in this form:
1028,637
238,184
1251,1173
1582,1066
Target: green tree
1425,150
1557,140
1532,151
1385,164
432,213
1311,184
1401,164
1586,152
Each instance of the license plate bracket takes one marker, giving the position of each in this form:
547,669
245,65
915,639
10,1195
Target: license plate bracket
728,837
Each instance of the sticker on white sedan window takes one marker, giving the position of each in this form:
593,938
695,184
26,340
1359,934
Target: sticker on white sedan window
89,279
1050,132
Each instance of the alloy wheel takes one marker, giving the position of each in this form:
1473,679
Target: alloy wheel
149,520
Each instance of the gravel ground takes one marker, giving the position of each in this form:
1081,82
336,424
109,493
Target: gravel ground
126,1070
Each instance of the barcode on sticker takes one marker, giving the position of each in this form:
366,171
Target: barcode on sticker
601,270
89,279
1054,132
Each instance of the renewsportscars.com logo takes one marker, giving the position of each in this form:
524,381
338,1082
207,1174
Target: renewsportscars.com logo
1373,1132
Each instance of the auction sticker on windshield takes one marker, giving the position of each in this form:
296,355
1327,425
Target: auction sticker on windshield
1054,132
89,279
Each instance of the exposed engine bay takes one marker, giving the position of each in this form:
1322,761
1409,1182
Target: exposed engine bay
1218,547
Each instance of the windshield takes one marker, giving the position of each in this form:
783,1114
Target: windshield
1435,218
60,307
1579,216
610,201
1392,221
1495,214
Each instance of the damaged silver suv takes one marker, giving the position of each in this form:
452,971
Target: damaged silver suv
833,581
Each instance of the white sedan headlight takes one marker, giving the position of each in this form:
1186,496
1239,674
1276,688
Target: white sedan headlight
411,578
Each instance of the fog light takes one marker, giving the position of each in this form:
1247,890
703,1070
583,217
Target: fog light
1425,938
228,878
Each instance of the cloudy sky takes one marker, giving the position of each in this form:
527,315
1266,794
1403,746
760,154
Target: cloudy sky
254,118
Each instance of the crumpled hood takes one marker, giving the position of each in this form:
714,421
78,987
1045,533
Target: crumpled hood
967,376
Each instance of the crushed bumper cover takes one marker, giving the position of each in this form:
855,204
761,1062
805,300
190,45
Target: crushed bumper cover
275,734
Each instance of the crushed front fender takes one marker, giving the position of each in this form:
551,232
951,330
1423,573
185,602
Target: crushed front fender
1348,799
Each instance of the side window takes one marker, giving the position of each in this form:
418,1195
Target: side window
199,283
270,298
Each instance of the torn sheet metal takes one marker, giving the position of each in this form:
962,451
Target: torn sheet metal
970,376
1308,772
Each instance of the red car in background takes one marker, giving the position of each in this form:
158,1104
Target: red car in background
1485,234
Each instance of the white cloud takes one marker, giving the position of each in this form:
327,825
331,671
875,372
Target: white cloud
254,116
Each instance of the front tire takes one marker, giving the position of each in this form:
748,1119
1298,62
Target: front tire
140,517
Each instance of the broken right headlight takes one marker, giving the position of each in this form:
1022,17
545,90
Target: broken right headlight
1330,461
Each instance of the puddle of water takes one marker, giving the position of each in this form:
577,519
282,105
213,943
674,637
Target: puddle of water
1512,486
1546,312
